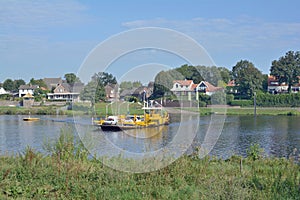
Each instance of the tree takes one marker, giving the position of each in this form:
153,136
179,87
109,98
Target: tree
18,83
247,77
8,85
39,82
94,91
287,69
225,74
71,78
128,85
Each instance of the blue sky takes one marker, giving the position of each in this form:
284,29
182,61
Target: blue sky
50,38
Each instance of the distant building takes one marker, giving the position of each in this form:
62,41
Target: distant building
111,92
139,92
231,87
52,82
25,89
3,91
28,100
275,87
66,92
188,87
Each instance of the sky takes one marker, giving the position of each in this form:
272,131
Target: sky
41,38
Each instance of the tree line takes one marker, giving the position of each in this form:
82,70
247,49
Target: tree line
248,78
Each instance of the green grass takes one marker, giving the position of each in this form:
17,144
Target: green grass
100,110
247,111
66,175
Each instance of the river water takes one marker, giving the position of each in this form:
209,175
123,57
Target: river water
278,135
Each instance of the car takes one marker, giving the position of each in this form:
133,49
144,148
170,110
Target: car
111,120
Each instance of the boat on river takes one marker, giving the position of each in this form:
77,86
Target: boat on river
153,116
31,119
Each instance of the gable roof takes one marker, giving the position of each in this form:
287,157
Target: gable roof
28,87
210,87
183,82
52,82
231,83
28,95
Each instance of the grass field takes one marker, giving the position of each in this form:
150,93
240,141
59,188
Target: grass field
68,173
247,111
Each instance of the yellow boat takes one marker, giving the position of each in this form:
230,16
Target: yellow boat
153,117
31,119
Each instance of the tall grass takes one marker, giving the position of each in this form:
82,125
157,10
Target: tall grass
67,173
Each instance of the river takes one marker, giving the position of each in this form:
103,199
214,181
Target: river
278,135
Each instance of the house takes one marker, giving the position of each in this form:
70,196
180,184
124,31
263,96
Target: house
138,92
111,92
275,87
66,92
231,87
25,89
207,88
52,82
188,87
3,91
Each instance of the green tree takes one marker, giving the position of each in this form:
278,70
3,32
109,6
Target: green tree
225,74
94,91
287,69
8,85
247,77
136,84
127,85
190,73
71,78
18,83
39,82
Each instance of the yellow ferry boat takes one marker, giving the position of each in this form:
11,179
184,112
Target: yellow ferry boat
153,116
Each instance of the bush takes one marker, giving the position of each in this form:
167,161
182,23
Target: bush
242,103
282,100
202,104
229,98
255,152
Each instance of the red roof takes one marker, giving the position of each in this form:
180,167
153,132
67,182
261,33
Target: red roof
211,88
194,86
231,83
273,81
183,82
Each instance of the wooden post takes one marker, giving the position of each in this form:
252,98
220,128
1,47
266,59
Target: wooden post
255,104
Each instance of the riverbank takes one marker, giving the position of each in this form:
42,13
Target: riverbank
247,111
101,109
59,176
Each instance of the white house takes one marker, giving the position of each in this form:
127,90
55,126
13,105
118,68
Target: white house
275,87
207,88
66,92
25,89
188,87
2,91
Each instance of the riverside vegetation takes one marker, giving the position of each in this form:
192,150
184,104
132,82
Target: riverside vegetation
100,110
68,172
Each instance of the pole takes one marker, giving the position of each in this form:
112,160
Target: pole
255,104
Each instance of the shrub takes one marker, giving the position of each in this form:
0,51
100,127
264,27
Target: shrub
242,103
255,152
202,104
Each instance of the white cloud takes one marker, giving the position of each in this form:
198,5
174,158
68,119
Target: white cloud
219,34
36,15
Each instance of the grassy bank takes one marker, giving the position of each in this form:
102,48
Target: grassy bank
248,111
100,110
40,110
65,175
